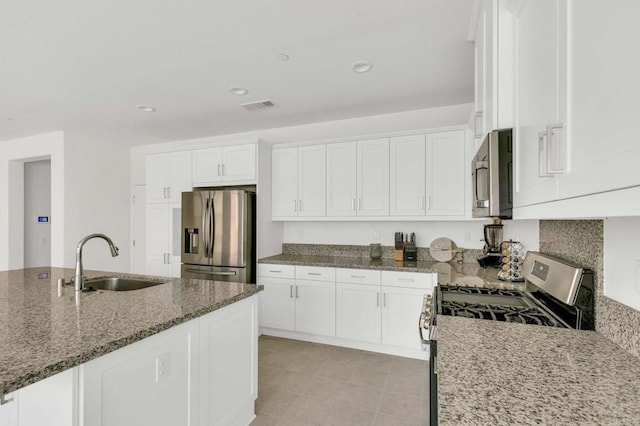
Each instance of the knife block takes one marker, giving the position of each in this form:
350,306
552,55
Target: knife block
398,255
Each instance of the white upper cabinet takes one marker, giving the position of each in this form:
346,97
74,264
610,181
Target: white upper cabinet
311,180
228,164
284,167
298,179
168,175
446,175
604,92
540,134
373,177
408,175
341,179
482,75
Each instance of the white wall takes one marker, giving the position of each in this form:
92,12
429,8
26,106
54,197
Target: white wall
37,202
622,260
98,200
467,234
13,153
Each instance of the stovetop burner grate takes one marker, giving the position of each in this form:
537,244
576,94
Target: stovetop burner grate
481,290
519,314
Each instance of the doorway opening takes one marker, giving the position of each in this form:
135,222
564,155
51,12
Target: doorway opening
37,213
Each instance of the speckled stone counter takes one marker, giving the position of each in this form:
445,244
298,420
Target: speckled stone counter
501,373
43,333
462,274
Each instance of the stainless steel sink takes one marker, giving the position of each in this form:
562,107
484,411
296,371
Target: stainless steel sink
119,284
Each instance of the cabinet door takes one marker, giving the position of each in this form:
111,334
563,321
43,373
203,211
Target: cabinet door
605,151
277,303
9,410
207,166
358,312
228,364
479,77
150,382
284,180
48,402
446,177
312,181
407,175
373,177
341,179
239,163
179,175
316,307
401,309
175,233
158,239
157,178
536,24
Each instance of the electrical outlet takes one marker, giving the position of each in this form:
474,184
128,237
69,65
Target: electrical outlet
163,367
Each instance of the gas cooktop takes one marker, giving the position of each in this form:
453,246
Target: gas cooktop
493,304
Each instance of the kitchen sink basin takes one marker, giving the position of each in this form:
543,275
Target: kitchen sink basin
119,284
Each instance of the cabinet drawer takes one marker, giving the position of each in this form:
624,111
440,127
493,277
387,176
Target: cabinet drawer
358,276
315,273
407,279
276,271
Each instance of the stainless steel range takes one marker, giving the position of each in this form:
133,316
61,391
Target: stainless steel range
556,294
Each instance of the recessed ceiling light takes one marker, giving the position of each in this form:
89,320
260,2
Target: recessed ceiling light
146,108
283,57
239,91
362,66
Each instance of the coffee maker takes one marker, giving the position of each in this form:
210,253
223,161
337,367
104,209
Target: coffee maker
492,239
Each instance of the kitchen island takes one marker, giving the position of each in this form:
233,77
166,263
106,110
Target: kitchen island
502,373
165,337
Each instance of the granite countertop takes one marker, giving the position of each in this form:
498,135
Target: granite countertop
502,373
462,274
43,333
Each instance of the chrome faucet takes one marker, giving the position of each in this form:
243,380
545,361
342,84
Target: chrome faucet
78,277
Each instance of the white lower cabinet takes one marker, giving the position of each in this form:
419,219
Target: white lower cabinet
399,320
316,307
358,312
47,402
201,372
366,309
303,305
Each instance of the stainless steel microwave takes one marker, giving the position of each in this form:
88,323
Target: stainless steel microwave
492,176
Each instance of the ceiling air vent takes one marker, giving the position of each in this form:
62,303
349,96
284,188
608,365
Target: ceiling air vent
259,105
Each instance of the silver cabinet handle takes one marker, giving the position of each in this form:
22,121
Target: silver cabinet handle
223,169
297,297
411,279
357,276
429,202
274,271
384,300
422,202
291,291
353,204
542,155
300,205
556,160
378,299
314,273
219,173
214,273
5,400
295,205
168,192
359,203
477,130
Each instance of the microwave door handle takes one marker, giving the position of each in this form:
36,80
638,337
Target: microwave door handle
480,165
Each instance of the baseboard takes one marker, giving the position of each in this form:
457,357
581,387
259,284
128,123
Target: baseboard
347,343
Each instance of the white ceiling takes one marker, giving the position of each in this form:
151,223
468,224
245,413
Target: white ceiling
83,66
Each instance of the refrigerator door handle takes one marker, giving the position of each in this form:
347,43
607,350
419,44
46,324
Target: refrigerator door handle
205,209
220,273
211,229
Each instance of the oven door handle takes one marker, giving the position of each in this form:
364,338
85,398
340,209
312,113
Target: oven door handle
422,322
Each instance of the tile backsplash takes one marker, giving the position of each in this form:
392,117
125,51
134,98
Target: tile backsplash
582,242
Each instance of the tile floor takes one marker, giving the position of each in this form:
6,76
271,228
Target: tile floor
302,383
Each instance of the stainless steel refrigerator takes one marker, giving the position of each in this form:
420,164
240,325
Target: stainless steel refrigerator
218,235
